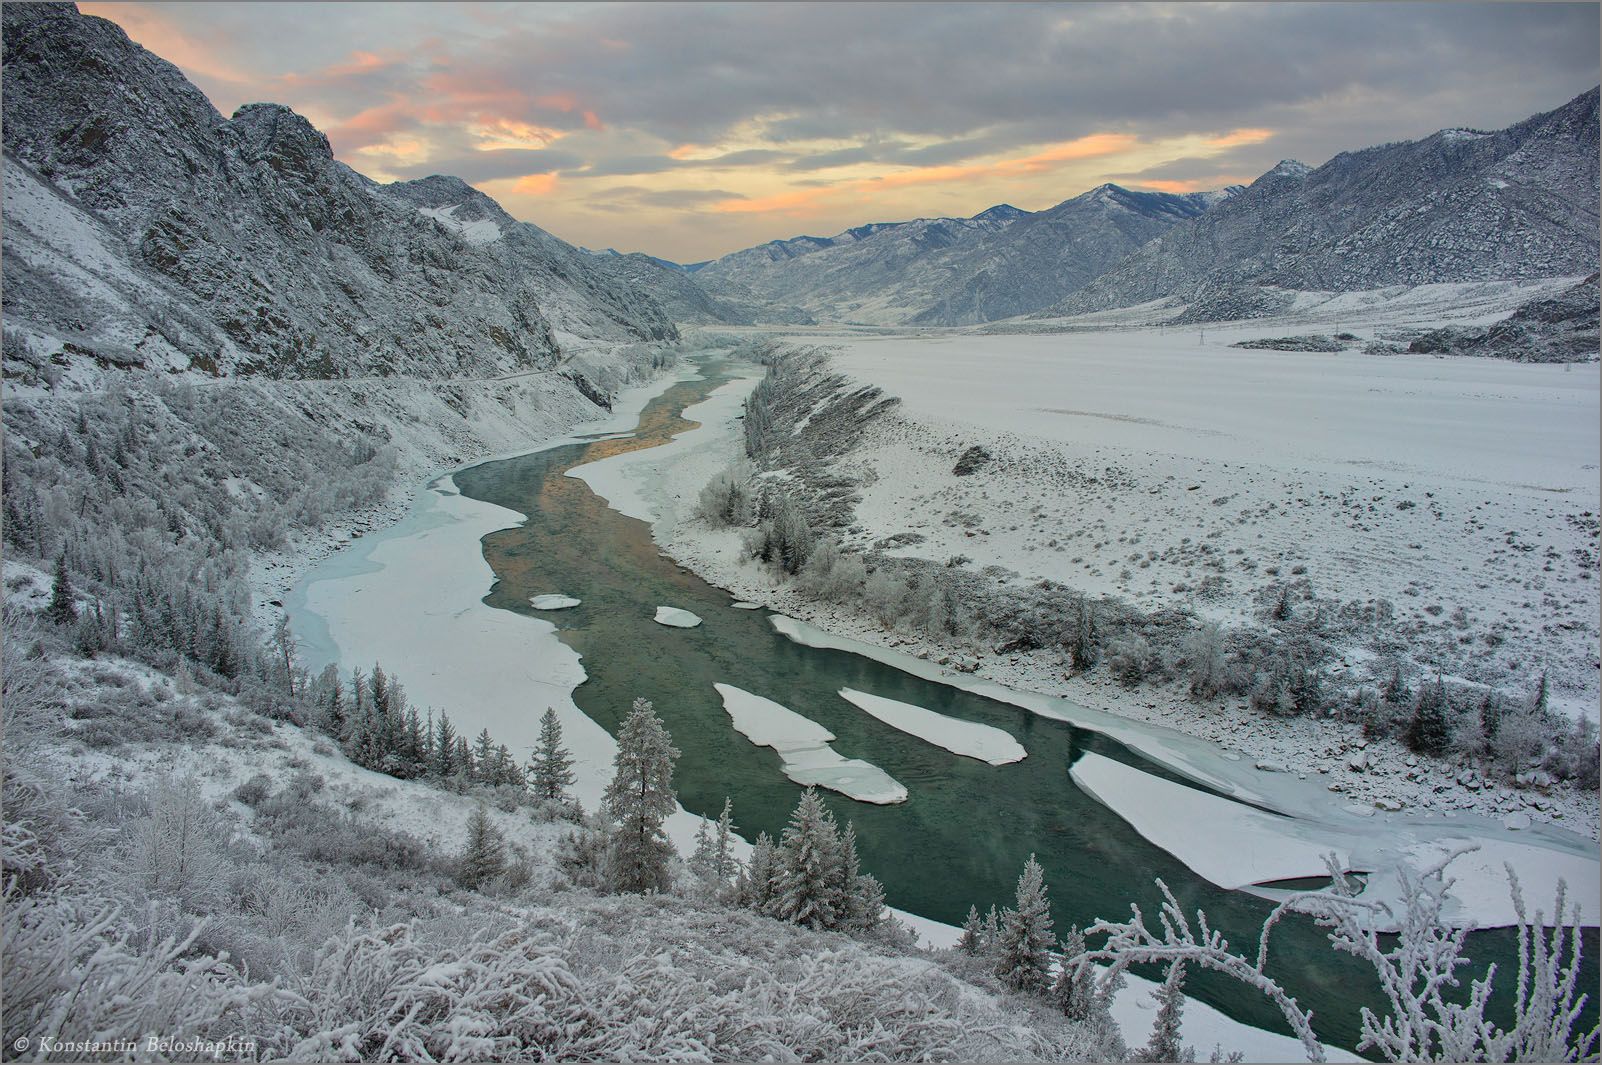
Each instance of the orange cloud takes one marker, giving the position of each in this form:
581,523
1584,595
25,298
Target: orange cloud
1239,137
1096,144
535,184
494,133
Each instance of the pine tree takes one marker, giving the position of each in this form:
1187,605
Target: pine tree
1081,636
1075,989
702,858
63,608
973,930
807,887
639,799
551,769
1428,732
724,864
444,747
484,858
990,938
755,891
1490,721
507,770
1538,705
1165,1043
861,895
1395,693
1024,957
483,758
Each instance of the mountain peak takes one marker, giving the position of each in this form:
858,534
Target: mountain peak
286,139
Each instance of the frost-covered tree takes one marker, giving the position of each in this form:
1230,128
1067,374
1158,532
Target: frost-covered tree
63,607
1023,955
1075,988
1082,641
484,855
1426,1017
179,849
639,798
1205,656
1427,730
972,939
807,884
550,771
724,501
724,864
755,888
1165,1043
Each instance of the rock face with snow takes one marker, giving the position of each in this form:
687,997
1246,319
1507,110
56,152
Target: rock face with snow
1461,205
143,228
1563,328
674,290
955,271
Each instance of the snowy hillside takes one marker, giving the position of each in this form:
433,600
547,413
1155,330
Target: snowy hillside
144,229
951,271
1460,205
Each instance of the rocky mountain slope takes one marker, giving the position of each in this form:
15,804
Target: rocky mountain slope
1560,328
955,271
144,229
1461,205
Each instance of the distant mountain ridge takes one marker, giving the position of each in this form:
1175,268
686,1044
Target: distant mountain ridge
1460,205
954,271
146,229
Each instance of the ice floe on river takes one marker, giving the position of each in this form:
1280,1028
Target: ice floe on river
967,738
676,618
803,744
553,602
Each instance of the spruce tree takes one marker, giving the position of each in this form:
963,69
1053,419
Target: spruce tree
703,857
1490,721
807,887
1542,697
444,747
973,930
1075,989
550,771
63,608
1165,1042
755,891
639,799
723,860
1024,956
1395,693
484,857
1427,731
1081,636
483,758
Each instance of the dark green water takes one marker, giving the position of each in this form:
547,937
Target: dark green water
964,833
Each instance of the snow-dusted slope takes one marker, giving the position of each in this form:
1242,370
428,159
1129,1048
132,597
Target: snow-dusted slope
1461,205
953,271
242,245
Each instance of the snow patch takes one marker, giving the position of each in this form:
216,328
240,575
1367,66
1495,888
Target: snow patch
967,738
483,231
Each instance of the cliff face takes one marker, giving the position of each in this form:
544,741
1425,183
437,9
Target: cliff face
146,229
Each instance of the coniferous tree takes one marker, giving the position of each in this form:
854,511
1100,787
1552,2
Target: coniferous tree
973,930
724,864
1490,721
484,857
703,858
807,886
991,936
755,891
444,747
861,895
484,758
63,608
1542,696
551,769
1165,1043
1395,693
1428,732
1075,989
639,798
1082,642
1024,956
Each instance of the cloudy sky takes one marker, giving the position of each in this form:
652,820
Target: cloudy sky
690,131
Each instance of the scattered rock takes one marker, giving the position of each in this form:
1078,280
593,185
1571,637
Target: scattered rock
971,460
1272,767
1516,822
1388,805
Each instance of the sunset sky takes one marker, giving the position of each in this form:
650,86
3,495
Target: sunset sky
690,131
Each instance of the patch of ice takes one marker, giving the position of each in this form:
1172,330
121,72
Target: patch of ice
967,738
743,605
1225,842
553,602
676,618
803,744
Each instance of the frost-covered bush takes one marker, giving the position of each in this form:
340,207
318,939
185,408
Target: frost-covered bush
724,501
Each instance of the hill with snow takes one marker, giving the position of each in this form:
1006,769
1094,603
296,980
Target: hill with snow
954,271
145,229
1459,206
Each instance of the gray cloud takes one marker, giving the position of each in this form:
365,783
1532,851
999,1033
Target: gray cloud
476,166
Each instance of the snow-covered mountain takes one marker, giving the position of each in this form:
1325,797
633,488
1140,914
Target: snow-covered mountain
954,271
143,228
1461,205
